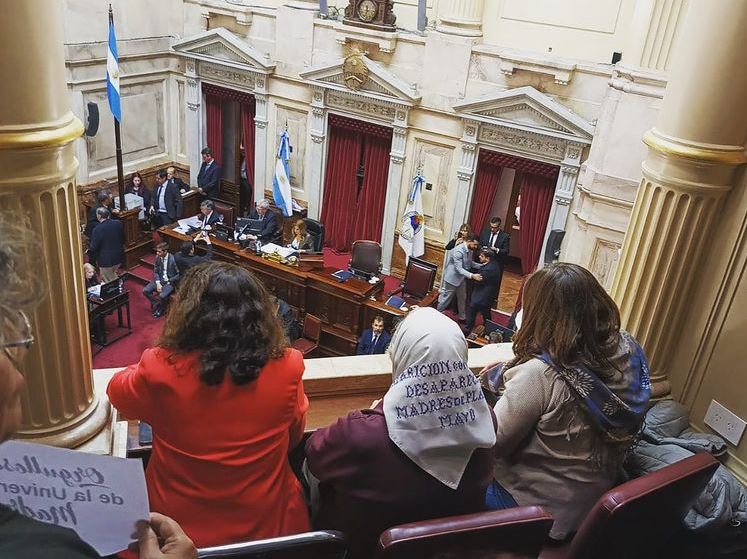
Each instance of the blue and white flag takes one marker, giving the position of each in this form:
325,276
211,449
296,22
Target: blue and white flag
112,75
412,227
281,188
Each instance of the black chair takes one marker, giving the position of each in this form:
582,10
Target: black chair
316,230
325,544
365,259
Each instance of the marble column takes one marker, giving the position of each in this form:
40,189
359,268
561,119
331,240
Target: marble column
465,175
460,17
695,151
311,5
318,132
393,186
193,98
260,140
37,131
654,26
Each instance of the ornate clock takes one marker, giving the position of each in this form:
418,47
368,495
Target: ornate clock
374,14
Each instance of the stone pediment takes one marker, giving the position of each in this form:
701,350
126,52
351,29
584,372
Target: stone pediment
378,82
223,47
528,109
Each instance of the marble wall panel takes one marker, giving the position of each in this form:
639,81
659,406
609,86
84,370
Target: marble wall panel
435,161
603,260
297,132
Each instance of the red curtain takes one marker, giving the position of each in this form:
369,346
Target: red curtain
486,185
214,117
340,187
536,200
247,125
369,217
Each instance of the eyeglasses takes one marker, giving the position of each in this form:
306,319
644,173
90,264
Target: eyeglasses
14,350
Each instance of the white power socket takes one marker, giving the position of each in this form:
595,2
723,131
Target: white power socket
724,422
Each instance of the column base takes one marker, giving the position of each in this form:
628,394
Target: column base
67,435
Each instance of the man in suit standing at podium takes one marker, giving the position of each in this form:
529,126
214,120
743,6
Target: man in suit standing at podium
375,339
208,179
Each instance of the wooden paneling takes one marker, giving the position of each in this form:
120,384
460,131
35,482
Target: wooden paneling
434,253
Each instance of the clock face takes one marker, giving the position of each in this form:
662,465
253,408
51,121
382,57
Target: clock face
367,10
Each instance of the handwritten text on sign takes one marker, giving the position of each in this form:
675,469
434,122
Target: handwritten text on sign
99,497
431,395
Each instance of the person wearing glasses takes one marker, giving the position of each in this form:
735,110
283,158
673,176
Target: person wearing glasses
22,537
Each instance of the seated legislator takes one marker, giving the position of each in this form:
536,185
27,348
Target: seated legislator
375,339
208,216
223,393
301,241
92,279
270,227
574,397
22,537
165,277
186,258
399,462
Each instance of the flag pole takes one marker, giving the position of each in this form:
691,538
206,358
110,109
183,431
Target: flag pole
118,143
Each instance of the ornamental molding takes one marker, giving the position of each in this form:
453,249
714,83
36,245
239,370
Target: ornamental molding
236,79
527,144
221,47
362,106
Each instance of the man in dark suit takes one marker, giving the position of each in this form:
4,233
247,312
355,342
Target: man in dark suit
103,200
375,339
208,216
208,179
173,178
486,289
496,239
166,202
107,245
165,276
186,258
270,228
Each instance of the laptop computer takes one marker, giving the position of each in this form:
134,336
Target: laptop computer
110,289
491,326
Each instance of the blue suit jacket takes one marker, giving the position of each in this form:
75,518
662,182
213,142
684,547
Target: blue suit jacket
364,345
209,179
107,244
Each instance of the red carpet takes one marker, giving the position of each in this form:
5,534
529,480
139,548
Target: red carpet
145,328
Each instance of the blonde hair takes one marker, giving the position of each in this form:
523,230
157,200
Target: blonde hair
88,267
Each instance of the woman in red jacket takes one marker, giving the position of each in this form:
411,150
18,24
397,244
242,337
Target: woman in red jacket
224,396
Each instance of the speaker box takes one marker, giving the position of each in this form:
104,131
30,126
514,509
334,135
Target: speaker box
616,57
552,252
92,126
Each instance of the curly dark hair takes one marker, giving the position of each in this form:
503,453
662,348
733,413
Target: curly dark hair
224,311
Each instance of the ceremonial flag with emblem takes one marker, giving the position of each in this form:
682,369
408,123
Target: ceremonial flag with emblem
112,75
412,227
281,188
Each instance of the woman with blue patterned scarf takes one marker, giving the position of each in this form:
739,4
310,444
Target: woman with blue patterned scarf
572,400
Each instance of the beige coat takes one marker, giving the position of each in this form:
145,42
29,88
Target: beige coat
544,447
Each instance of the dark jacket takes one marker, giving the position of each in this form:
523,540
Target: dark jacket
184,261
212,219
107,244
179,183
143,192
209,179
368,484
500,243
484,292
364,344
91,219
306,244
288,320
172,200
270,227
172,271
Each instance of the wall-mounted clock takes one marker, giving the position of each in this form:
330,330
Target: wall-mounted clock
367,10
374,14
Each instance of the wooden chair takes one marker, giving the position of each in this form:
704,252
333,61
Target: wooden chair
309,340
324,544
419,278
516,532
365,258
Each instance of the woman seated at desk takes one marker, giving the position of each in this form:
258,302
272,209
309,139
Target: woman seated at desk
223,393
302,241
92,280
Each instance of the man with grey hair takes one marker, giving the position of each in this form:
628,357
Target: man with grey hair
270,229
107,245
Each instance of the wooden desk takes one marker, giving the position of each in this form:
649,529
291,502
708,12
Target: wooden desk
98,309
341,306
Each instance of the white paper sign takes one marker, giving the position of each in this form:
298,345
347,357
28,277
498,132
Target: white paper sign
100,497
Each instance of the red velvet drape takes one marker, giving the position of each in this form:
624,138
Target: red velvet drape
340,187
486,185
247,126
536,200
214,118
369,216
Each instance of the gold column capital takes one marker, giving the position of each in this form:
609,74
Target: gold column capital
696,151
57,133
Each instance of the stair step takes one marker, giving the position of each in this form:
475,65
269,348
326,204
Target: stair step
148,261
141,274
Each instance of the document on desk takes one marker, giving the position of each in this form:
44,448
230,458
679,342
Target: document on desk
272,248
100,497
188,223
95,290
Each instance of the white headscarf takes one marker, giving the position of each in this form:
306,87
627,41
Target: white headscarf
435,411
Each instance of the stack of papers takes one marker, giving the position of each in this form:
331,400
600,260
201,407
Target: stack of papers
95,290
272,248
188,223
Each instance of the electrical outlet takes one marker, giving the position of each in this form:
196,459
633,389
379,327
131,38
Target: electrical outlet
724,422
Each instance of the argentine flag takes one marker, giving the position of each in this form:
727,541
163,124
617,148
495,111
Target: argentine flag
112,75
281,188
412,226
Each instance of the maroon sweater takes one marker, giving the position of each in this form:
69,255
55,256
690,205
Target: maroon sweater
369,484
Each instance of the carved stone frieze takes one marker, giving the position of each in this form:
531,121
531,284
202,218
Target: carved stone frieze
397,159
228,75
463,175
569,170
361,105
523,141
562,201
523,112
